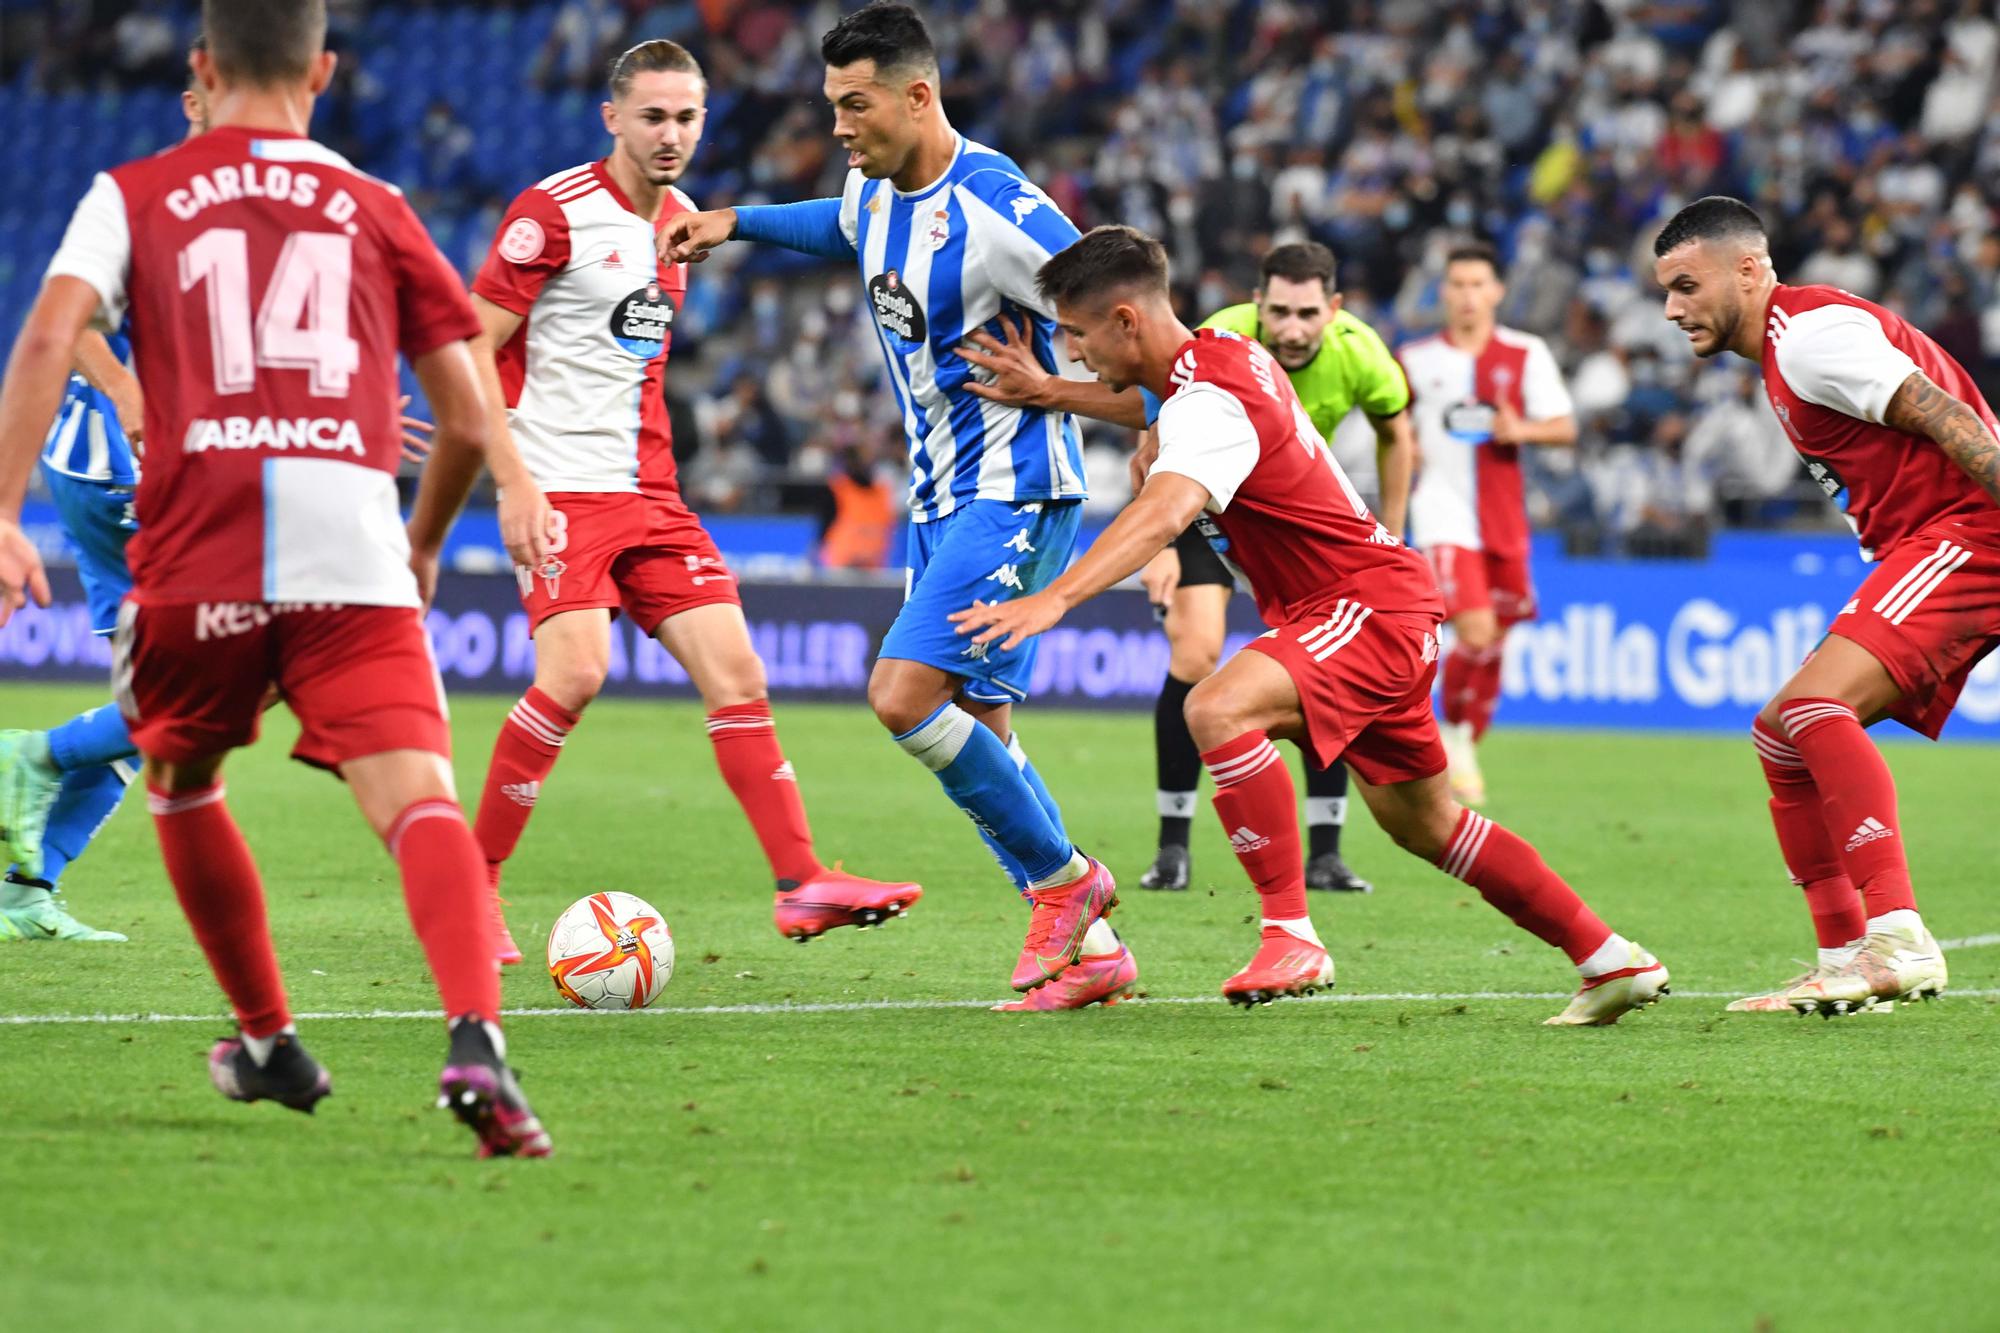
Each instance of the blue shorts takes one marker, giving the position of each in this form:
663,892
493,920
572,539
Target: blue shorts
99,521
987,551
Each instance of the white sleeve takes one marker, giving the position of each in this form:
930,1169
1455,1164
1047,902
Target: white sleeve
1543,393
98,248
850,208
1206,436
1839,357
1013,245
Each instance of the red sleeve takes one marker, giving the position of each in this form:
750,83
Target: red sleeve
431,306
530,246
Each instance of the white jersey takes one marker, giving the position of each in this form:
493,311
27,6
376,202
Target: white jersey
584,374
1468,490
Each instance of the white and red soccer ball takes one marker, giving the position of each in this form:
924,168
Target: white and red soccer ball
611,951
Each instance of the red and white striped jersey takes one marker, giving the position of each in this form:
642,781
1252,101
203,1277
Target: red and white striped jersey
584,372
270,286
1468,490
1281,513
1832,362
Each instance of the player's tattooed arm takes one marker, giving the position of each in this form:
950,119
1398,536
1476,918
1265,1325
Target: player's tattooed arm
1922,408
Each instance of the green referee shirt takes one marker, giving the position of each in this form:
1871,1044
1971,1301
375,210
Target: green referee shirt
1353,369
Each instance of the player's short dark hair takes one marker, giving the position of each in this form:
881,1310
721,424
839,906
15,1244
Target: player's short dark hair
1301,261
891,35
1716,217
264,42
658,56
1474,252
1103,260
200,43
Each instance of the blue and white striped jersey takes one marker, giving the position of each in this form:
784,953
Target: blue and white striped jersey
86,441
939,263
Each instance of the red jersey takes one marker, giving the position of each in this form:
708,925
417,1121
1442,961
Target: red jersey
1832,362
1469,491
585,373
1281,513
270,286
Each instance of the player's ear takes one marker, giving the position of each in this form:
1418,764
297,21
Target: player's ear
919,96
609,111
321,75
1333,300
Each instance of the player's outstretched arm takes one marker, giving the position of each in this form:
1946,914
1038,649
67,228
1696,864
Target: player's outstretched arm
1920,407
29,398
1396,466
1142,529
96,362
458,453
1019,380
812,227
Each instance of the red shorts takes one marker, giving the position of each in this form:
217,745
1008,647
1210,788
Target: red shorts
649,557
191,679
1476,580
1928,613
1364,682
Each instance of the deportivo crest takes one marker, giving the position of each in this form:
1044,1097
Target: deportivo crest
895,308
641,321
939,230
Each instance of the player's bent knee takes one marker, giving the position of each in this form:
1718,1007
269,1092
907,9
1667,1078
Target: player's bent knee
895,704
572,684
1213,718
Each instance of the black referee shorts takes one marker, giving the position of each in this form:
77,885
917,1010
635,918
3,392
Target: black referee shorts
1200,565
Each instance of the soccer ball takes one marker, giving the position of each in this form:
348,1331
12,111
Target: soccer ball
610,951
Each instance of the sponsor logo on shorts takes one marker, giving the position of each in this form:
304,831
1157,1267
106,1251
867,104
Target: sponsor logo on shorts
522,793
1019,542
225,620
327,435
1247,840
1007,576
1869,830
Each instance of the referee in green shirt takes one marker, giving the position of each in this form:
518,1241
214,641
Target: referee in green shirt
1336,364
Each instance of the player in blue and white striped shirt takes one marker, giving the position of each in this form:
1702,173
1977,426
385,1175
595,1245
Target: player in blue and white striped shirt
949,236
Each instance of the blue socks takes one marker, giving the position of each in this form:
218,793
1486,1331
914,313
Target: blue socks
88,798
1012,810
96,737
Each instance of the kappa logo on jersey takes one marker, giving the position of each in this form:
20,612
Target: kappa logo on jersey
895,309
640,322
1869,830
522,793
1247,840
1023,206
524,242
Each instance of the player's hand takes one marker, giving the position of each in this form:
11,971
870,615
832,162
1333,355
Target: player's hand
1161,576
416,433
688,237
1507,425
1144,457
424,564
1019,619
527,523
130,407
1018,379
21,572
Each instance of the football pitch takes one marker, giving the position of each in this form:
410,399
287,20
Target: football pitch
841,1136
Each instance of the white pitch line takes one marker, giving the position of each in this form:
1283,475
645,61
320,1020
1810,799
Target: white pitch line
853,1007
1970,942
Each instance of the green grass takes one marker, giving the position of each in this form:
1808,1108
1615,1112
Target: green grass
1386,1165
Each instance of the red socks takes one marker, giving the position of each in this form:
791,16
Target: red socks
1512,876
1809,855
444,887
216,881
1472,686
746,750
530,739
1260,812
1857,799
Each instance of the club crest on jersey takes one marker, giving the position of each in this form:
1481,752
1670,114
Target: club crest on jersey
939,230
895,308
640,322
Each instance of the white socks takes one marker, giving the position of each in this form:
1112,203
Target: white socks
1100,939
1078,867
1300,929
1902,921
260,1048
1613,954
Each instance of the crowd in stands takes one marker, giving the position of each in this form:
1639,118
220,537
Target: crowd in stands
1866,131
